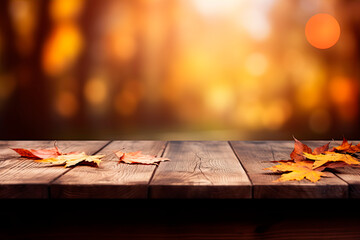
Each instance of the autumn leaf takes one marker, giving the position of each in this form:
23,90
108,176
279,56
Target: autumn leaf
321,159
300,148
38,153
309,164
346,147
138,157
333,165
296,171
72,159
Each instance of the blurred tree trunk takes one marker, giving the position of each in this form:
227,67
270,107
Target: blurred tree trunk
27,112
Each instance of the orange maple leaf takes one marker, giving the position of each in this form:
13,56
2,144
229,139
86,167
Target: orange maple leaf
296,171
346,147
138,157
38,153
297,154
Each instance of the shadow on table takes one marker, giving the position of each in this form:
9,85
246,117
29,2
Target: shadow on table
180,219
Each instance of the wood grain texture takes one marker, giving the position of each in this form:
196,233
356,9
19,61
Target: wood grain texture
255,156
207,169
349,174
24,178
111,179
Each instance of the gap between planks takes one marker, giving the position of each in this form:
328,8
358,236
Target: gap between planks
156,167
50,183
200,169
246,171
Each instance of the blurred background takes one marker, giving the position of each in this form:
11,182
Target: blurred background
179,69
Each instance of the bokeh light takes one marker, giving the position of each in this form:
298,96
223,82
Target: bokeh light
96,90
66,104
61,10
343,92
62,48
322,31
23,16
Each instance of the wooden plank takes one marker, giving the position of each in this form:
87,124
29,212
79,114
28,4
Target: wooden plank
24,178
111,179
207,169
348,174
255,156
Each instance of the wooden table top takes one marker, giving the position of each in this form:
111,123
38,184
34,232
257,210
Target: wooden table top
197,170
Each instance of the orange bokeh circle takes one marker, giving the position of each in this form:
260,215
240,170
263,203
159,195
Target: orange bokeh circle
322,31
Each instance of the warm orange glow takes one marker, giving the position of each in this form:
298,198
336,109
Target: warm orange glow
275,114
256,64
127,100
126,103
24,23
65,9
120,34
343,90
219,98
96,90
250,67
322,31
66,104
22,16
62,48
250,115
320,121
344,93
121,47
1,43
7,86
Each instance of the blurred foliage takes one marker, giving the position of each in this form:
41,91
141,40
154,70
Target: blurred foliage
182,69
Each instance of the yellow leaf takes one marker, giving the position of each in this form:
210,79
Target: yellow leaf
73,159
297,171
321,159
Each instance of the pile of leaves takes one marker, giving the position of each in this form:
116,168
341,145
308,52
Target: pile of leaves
309,164
55,156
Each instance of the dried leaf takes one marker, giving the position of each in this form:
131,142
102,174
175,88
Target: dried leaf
73,159
138,157
321,159
322,149
297,171
38,153
347,147
300,148
333,165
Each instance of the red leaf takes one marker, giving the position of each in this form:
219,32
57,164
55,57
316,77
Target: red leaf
38,153
332,165
321,149
346,147
299,149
